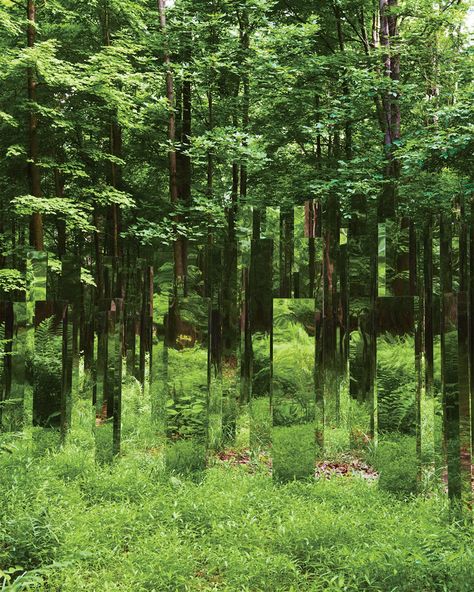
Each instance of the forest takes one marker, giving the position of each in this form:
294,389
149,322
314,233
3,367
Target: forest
236,295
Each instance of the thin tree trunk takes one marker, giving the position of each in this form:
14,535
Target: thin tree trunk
210,158
113,213
244,37
179,266
60,224
390,104
245,45
36,221
185,159
345,86
115,174
183,164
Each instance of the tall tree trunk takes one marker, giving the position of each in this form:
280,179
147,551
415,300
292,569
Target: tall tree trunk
113,213
179,262
210,158
244,45
244,37
345,85
230,323
183,162
36,221
184,159
60,224
390,104
114,173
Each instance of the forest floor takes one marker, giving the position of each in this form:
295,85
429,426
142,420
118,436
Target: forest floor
68,524
348,466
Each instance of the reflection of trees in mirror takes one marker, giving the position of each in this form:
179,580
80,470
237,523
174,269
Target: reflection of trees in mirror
236,242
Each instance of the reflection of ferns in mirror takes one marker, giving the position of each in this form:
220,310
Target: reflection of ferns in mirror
396,384
44,371
186,406
293,368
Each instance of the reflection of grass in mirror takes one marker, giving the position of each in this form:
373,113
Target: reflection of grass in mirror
104,442
359,424
185,457
293,452
137,429
260,423
336,444
260,364
396,461
242,437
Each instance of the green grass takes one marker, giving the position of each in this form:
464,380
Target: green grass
71,525
156,520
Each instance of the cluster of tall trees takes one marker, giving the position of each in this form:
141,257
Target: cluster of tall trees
128,124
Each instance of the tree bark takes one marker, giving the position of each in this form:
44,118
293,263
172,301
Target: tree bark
183,163
60,224
115,174
113,213
210,158
34,177
345,86
179,259
244,45
390,104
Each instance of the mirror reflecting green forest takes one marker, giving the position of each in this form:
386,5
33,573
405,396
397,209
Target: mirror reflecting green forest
236,295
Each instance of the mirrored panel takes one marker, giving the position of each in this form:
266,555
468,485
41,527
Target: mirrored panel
456,398
286,252
362,360
162,291
260,313
398,387
109,380
213,277
37,269
293,389
47,365
187,402
13,323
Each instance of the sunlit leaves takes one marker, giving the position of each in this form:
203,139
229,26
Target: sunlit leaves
43,57
12,280
75,214
108,195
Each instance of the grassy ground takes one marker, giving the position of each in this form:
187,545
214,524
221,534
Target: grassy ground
70,525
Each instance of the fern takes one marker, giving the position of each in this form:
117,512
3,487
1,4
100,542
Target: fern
44,369
48,338
396,384
293,371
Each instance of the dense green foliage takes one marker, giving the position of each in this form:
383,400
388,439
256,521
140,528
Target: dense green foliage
127,142
69,524
290,91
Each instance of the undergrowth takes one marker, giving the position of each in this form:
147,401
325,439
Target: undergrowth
68,524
